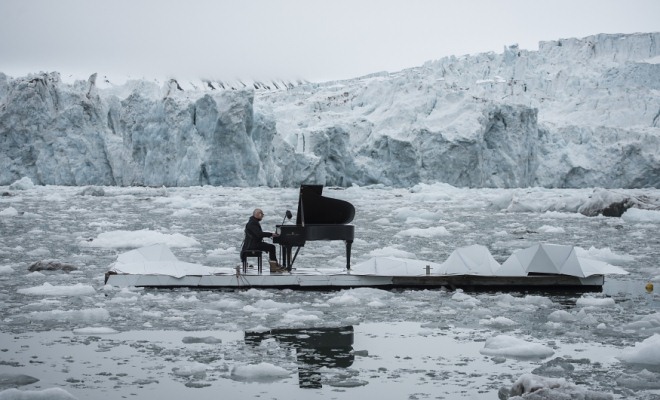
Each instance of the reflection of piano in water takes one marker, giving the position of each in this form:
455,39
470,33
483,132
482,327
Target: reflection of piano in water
315,348
318,218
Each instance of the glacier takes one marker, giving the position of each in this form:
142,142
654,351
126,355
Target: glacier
576,113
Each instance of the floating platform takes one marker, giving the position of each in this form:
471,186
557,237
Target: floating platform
314,279
538,268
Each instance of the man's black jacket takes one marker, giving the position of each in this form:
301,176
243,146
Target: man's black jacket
253,234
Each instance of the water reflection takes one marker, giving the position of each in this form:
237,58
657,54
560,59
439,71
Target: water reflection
315,348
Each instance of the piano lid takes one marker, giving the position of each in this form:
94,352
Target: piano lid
313,208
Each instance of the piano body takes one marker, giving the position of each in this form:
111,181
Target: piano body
318,218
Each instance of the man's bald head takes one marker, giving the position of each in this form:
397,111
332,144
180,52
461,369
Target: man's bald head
258,214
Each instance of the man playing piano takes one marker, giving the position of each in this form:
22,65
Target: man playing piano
254,240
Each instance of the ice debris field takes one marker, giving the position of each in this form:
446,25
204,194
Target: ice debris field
64,334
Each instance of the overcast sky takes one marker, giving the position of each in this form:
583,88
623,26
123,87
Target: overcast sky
291,39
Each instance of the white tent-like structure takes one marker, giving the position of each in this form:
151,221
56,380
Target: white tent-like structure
476,260
157,259
470,260
554,259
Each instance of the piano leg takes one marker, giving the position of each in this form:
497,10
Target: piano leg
294,257
285,252
349,243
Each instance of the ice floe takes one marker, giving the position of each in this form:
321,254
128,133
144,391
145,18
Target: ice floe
509,346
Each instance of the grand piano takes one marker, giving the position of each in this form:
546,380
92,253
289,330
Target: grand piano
318,218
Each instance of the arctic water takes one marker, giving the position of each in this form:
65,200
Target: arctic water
65,333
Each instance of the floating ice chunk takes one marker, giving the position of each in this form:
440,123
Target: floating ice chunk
649,323
262,372
540,301
509,346
140,238
567,214
504,300
390,252
12,380
585,318
412,215
376,304
222,253
431,232
273,305
35,275
227,304
258,329
604,254
24,183
552,388
643,380
38,252
90,314
49,265
551,229
9,212
639,215
49,290
183,213
501,200
587,301
196,370
299,315
346,383
558,367
47,394
6,270
465,298
183,203
359,296
652,60
498,322
123,300
186,300
95,331
646,352
561,316
345,298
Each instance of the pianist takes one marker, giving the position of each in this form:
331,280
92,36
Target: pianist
254,240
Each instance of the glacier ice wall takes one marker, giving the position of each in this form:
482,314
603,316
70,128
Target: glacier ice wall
576,113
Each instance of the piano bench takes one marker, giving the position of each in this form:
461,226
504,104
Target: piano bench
251,254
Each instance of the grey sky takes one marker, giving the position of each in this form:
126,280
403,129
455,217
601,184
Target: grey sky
314,40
